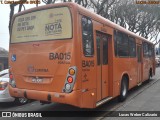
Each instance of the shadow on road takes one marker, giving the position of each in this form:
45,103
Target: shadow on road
7,104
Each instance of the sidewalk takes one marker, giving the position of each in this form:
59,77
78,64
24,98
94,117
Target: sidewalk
148,100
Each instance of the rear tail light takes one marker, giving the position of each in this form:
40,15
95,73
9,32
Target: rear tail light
11,76
3,85
71,71
12,81
70,79
67,86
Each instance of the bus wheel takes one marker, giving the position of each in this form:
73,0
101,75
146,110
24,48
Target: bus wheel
124,89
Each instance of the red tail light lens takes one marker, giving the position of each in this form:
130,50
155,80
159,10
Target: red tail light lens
11,76
70,79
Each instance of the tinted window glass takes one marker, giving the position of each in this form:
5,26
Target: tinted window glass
87,36
149,50
122,44
115,42
132,47
98,49
153,52
105,50
139,53
145,49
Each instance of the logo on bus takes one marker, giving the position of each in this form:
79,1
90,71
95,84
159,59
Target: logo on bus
53,28
31,69
13,58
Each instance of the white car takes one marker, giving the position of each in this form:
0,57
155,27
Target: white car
4,92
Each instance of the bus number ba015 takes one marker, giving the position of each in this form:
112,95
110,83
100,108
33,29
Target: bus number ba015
60,56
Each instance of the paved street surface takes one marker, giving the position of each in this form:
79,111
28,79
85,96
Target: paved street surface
148,99
143,98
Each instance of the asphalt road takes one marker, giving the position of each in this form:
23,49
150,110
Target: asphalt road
112,105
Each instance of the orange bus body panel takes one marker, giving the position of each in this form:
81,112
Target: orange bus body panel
93,82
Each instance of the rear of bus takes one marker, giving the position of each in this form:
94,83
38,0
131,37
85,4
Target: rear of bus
42,55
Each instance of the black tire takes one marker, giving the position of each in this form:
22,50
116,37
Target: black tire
124,89
21,101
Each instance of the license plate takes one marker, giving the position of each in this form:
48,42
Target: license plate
37,80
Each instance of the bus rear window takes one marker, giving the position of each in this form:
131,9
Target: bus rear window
87,36
49,24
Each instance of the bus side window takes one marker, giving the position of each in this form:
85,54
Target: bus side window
105,50
115,43
122,44
132,47
145,49
153,51
149,50
87,36
98,49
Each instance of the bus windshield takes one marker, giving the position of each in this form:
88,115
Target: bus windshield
49,24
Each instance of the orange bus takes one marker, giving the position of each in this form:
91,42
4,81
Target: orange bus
64,53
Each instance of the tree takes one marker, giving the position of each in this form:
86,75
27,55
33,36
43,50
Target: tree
12,6
141,19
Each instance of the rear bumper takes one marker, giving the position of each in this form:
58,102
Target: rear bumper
73,98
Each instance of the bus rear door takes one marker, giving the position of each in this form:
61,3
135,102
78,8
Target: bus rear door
139,60
102,65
